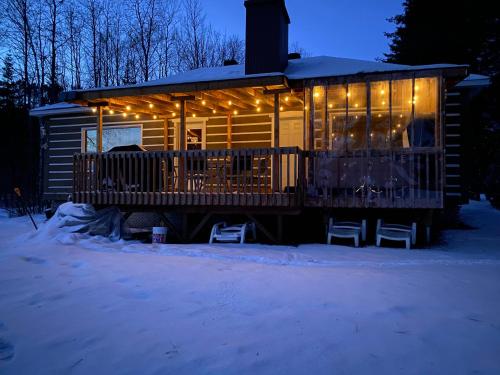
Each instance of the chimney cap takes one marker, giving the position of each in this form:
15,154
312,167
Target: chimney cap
282,2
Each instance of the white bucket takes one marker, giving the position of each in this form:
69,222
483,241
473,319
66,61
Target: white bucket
160,234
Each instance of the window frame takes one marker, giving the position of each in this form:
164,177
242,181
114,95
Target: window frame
105,127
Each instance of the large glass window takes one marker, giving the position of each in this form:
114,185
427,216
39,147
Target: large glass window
401,113
356,116
337,116
380,115
423,132
319,125
112,137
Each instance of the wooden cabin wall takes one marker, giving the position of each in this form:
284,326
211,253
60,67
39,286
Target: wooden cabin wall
65,139
248,132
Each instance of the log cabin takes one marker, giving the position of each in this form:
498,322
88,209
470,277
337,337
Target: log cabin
278,135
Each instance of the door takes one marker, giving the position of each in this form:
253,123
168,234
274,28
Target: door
291,135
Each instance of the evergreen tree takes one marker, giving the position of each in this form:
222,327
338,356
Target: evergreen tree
446,31
7,84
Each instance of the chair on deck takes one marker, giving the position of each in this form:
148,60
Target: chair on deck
221,232
397,232
346,229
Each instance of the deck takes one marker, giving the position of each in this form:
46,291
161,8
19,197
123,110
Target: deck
281,178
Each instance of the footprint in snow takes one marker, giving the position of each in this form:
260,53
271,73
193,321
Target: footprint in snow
6,350
33,260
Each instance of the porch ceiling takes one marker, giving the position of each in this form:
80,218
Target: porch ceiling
208,103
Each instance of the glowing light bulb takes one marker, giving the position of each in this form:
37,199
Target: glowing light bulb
151,105
111,112
230,102
401,116
394,131
330,105
348,94
94,110
417,88
383,103
235,112
194,115
214,111
306,107
127,108
173,114
124,114
281,108
155,117
258,109
203,102
352,135
316,94
177,105
286,98
257,101
356,105
371,134
137,117
398,125
382,92
379,115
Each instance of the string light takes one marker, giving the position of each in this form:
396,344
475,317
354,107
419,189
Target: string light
127,108
356,105
94,110
124,114
173,114
230,102
258,109
235,112
194,115
286,98
151,105
352,135
155,117
417,88
203,102
214,111
306,107
383,103
348,94
111,112
177,105
316,94
382,92
394,132
257,101
379,115
330,105
137,117
398,125
401,115
281,108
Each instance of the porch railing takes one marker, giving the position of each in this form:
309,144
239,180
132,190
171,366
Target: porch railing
274,177
402,178
253,177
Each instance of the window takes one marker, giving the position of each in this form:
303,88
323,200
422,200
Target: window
356,116
112,137
401,113
423,132
380,115
337,116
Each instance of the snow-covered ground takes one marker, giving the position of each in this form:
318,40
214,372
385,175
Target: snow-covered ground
82,305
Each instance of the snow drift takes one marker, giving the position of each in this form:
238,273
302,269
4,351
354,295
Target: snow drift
71,218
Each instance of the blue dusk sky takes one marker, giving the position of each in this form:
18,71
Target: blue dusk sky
341,28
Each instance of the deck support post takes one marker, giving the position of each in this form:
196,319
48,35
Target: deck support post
182,143
99,129
165,134
276,143
229,131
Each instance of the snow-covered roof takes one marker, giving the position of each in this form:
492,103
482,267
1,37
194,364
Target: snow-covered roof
58,109
305,68
475,80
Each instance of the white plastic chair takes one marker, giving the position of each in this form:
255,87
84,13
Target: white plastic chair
346,229
221,232
397,232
